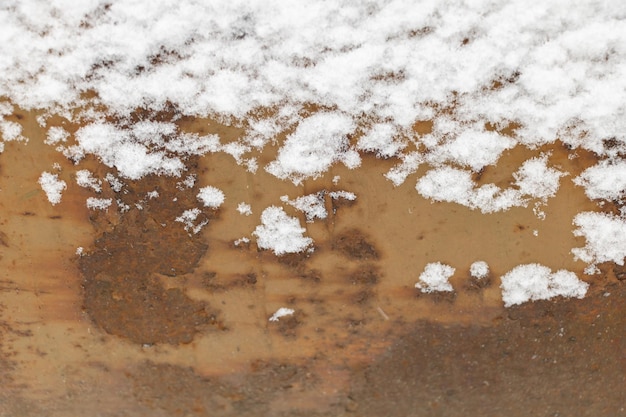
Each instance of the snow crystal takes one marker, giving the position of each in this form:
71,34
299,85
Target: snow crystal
10,130
479,269
211,197
435,278
532,282
99,203
52,186
280,232
241,240
188,218
84,178
335,195
114,182
312,205
188,182
281,312
605,235
56,135
244,208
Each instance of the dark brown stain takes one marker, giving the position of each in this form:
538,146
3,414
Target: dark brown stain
367,274
354,244
534,363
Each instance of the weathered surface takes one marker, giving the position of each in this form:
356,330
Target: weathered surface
123,293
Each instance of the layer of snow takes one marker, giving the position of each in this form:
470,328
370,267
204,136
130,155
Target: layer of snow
532,282
282,312
321,81
435,278
479,269
280,232
211,197
52,186
605,237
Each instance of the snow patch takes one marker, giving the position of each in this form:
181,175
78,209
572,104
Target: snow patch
605,236
532,282
211,197
435,278
280,232
52,186
479,269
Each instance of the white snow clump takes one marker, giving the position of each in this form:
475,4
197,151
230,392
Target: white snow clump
211,197
605,235
530,282
280,232
479,269
435,278
52,186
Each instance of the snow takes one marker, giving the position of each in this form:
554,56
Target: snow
211,197
10,131
347,195
318,142
605,180
532,282
479,269
534,179
244,209
56,135
85,178
52,186
605,236
189,217
435,278
280,232
99,203
282,312
323,83
312,205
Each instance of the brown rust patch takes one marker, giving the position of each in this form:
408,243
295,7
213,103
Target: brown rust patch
140,309
122,294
